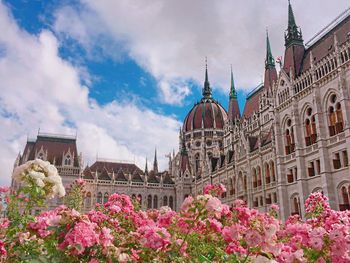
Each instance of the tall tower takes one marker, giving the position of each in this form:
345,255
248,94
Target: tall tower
233,108
270,69
295,49
155,162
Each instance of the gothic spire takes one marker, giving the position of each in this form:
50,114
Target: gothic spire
146,167
233,94
293,34
206,89
269,62
155,162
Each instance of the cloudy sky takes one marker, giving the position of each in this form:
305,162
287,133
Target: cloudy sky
123,74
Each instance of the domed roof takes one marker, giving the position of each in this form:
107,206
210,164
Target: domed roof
206,114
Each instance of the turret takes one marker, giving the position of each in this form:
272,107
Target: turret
295,49
270,69
233,109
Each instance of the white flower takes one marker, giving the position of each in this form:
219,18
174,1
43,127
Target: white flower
43,174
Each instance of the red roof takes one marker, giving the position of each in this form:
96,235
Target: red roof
325,45
233,110
55,147
252,103
114,166
205,114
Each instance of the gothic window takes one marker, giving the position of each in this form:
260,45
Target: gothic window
273,174
41,156
267,174
139,199
310,127
335,116
296,206
155,202
88,200
258,171
197,162
149,202
67,160
255,180
344,203
99,198
289,138
165,201
105,198
171,202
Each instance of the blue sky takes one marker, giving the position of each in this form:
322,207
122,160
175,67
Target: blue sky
111,79
123,74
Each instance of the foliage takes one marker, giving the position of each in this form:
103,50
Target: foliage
204,230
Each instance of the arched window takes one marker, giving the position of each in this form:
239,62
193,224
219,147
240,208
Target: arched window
139,199
310,127
197,162
171,202
273,173
99,198
296,206
88,200
289,138
149,202
258,170
105,198
267,174
255,179
155,202
335,116
67,160
232,187
165,201
345,191
40,156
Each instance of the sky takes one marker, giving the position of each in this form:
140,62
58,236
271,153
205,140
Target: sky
122,75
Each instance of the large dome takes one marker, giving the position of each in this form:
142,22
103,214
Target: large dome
207,114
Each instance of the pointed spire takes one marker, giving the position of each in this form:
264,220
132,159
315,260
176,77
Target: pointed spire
293,34
291,19
206,90
270,61
233,94
146,167
155,162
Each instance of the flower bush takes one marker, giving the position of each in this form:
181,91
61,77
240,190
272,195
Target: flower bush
204,230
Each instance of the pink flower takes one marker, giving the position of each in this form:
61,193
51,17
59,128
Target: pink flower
4,189
253,238
80,237
106,238
214,205
187,203
154,237
2,248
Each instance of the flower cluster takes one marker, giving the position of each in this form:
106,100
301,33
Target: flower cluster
42,174
204,230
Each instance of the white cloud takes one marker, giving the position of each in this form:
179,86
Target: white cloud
40,89
171,38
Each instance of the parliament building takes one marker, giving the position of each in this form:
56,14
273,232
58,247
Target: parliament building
291,139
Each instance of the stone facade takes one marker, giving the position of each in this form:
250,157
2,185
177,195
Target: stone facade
105,177
293,137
